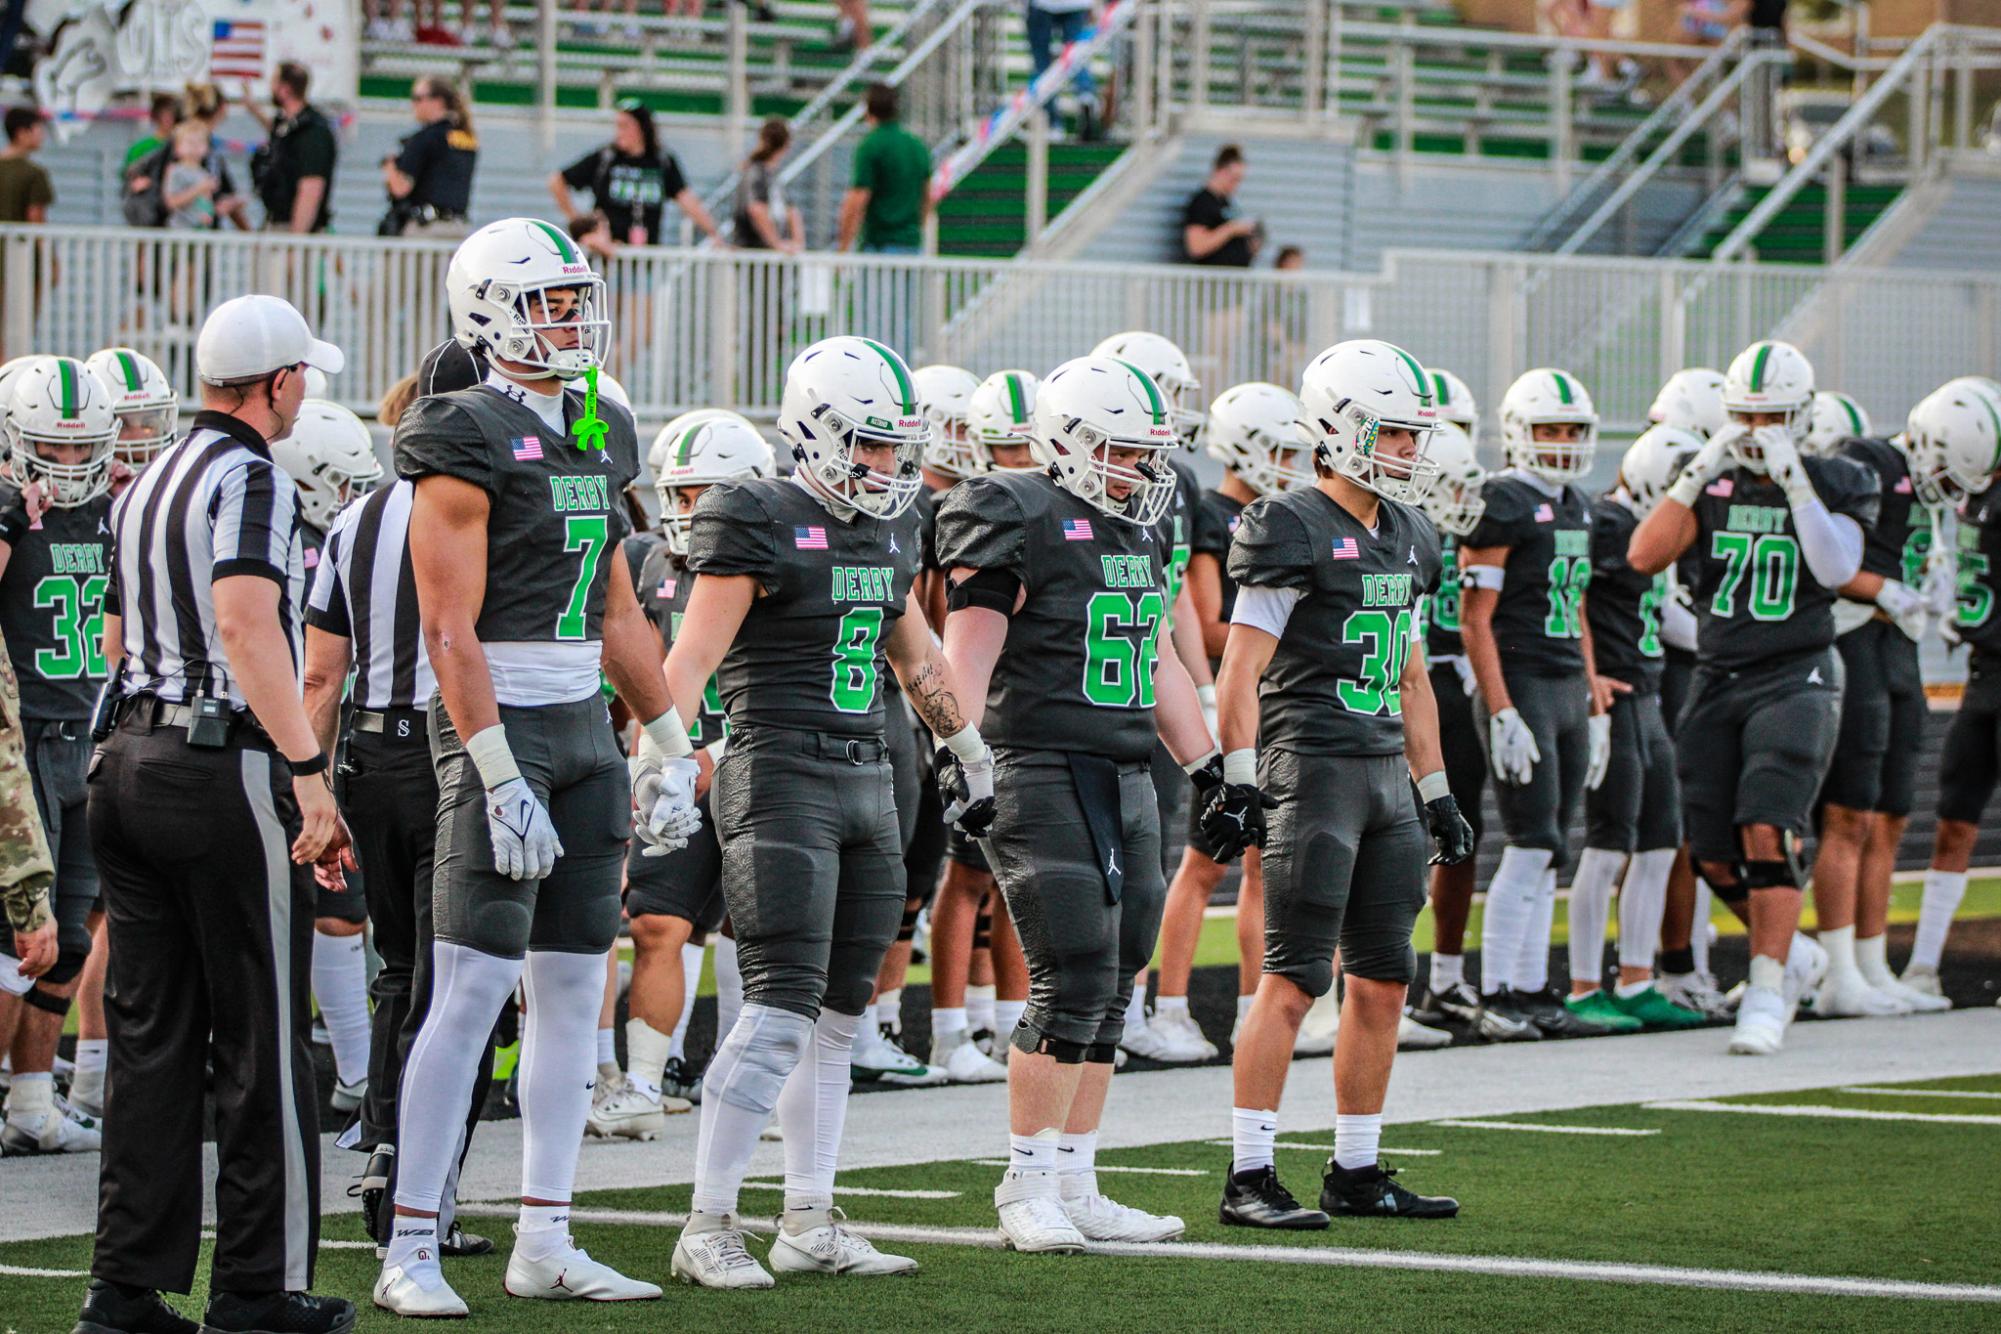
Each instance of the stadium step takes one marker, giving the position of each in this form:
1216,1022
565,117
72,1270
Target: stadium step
1797,234
986,217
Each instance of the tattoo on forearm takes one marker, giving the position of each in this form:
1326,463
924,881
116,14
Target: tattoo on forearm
934,701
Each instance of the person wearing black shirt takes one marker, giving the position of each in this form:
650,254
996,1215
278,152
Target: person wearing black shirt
294,171
1211,231
429,179
630,180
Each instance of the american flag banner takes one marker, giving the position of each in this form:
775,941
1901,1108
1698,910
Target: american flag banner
1544,514
528,449
809,537
666,590
236,49
1345,548
1722,486
1076,530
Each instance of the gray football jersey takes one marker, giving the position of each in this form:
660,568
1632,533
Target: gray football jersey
809,653
557,511
1538,620
662,581
1076,673
52,604
1333,686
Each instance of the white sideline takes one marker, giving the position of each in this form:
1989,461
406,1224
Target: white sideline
1924,1093
1832,1113
1329,1148
1543,1129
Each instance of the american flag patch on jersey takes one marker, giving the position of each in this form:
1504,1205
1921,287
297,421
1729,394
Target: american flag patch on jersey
1722,486
527,449
1076,530
1346,549
811,537
1544,514
1903,486
666,589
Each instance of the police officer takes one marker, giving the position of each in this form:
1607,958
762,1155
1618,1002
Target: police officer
210,801
429,177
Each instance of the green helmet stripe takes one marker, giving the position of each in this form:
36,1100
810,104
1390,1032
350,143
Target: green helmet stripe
1158,403
1995,414
687,445
1758,368
130,369
1017,402
66,389
1854,414
1562,386
903,386
1417,374
1439,389
560,239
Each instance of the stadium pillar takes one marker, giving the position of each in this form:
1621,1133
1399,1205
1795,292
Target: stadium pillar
545,57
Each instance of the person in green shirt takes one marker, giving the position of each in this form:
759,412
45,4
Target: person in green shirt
887,200
163,116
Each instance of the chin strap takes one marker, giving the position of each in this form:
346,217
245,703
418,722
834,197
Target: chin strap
590,429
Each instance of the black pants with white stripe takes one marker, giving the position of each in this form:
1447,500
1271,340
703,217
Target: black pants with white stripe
211,928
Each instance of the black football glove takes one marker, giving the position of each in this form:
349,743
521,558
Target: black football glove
1208,782
966,791
1449,831
1235,818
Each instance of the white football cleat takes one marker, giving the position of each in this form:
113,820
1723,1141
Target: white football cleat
1923,981
570,1275
1032,1217
1695,991
347,1097
1174,1038
625,1112
1099,1218
50,1131
1761,1023
1413,1036
420,1293
878,1056
1915,1001
711,1253
824,1245
964,1063
1806,969
1848,995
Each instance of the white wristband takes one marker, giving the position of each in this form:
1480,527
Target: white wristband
666,736
1491,577
1433,786
1240,767
1687,489
1193,765
492,757
965,744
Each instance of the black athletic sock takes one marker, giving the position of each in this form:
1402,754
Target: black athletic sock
1678,961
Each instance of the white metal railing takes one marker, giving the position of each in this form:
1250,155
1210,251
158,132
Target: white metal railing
699,328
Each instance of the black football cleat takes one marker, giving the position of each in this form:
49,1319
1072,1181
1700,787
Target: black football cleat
457,1243
113,1308
277,1313
1553,1017
1256,1199
1372,1192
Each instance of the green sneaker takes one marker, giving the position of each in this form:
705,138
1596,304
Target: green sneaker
1597,1008
1654,1010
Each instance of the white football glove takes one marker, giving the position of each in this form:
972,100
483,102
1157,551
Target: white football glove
978,776
1468,681
1906,606
1782,462
1941,588
525,846
1708,463
1599,757
1512,747
663,799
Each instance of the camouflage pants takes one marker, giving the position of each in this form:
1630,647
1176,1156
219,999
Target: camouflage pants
26,873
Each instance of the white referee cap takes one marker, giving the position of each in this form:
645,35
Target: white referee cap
251,336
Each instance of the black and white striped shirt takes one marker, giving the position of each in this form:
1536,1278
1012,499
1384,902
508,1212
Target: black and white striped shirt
212,506
366,591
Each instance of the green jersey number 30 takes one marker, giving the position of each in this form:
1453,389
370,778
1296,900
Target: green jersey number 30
1378,688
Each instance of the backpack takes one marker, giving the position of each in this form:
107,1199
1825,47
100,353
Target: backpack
147,207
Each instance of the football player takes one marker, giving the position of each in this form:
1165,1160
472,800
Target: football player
804,587
1955,436
1691,400
1059,596
330,456
1771,536
1633,817
145,404
519,485
1836,418
54,566
1327,718
1523,571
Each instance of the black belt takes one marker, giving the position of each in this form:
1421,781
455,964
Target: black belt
150,713
853,749
385,722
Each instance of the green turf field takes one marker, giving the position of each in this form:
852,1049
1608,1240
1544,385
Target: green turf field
1746,1220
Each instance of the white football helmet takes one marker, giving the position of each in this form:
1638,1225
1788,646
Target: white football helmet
1652,463
1001,412
1254,431
1953,439
1456,404
1835,417
495,287
1347,395
703,448
1454,501
147,408
944,393
1769,376
1092,405
317,383
1167,366
330,453
1691,400
60,401
1549,397
847,392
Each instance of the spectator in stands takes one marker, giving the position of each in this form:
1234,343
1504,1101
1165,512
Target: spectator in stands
630,179
161,117
887,198
429,178
763,221
293,173
190,187
387,24
25,190
1052,25
1591,20
1211,231
1289,258
205,104
852,30
593,232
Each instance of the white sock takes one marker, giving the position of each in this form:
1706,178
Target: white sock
740,1090
1032,1154
1628,990
31,1095
1356,1139
1872,957
1136,1007
340,984
1077,1163
1839,942
543,1230
1642,905
1252,1133
1244,1006
1007,1018
467,990
949,1020
1510,907
889,1010
607,1047
1531,970
1943,892
729,988
980,1008
647,1051
1768,972
813,1109
1170,1005
1698,929
413,1242
1590,911
91,1054
565,992
1447,971
691,982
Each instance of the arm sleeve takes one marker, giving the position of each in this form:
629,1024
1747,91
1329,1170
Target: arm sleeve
434,437
1266,609
1678,624
732,534
1830,543
1271,549
982,527
253,518
326,604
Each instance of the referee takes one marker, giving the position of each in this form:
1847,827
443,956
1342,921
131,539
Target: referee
210,800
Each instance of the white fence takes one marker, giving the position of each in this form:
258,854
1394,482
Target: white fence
698,328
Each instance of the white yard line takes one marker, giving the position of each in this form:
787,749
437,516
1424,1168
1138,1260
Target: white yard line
1098,1167
1326,1148
1923,1093
28,1271
1833,1113
866,1190
1542,1129
1493,1266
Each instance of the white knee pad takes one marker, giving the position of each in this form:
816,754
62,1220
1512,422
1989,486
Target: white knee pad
768,1044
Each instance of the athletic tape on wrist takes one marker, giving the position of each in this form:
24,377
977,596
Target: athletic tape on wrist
1207,755
1240,767
491,755
666,735
1433,786
965,744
